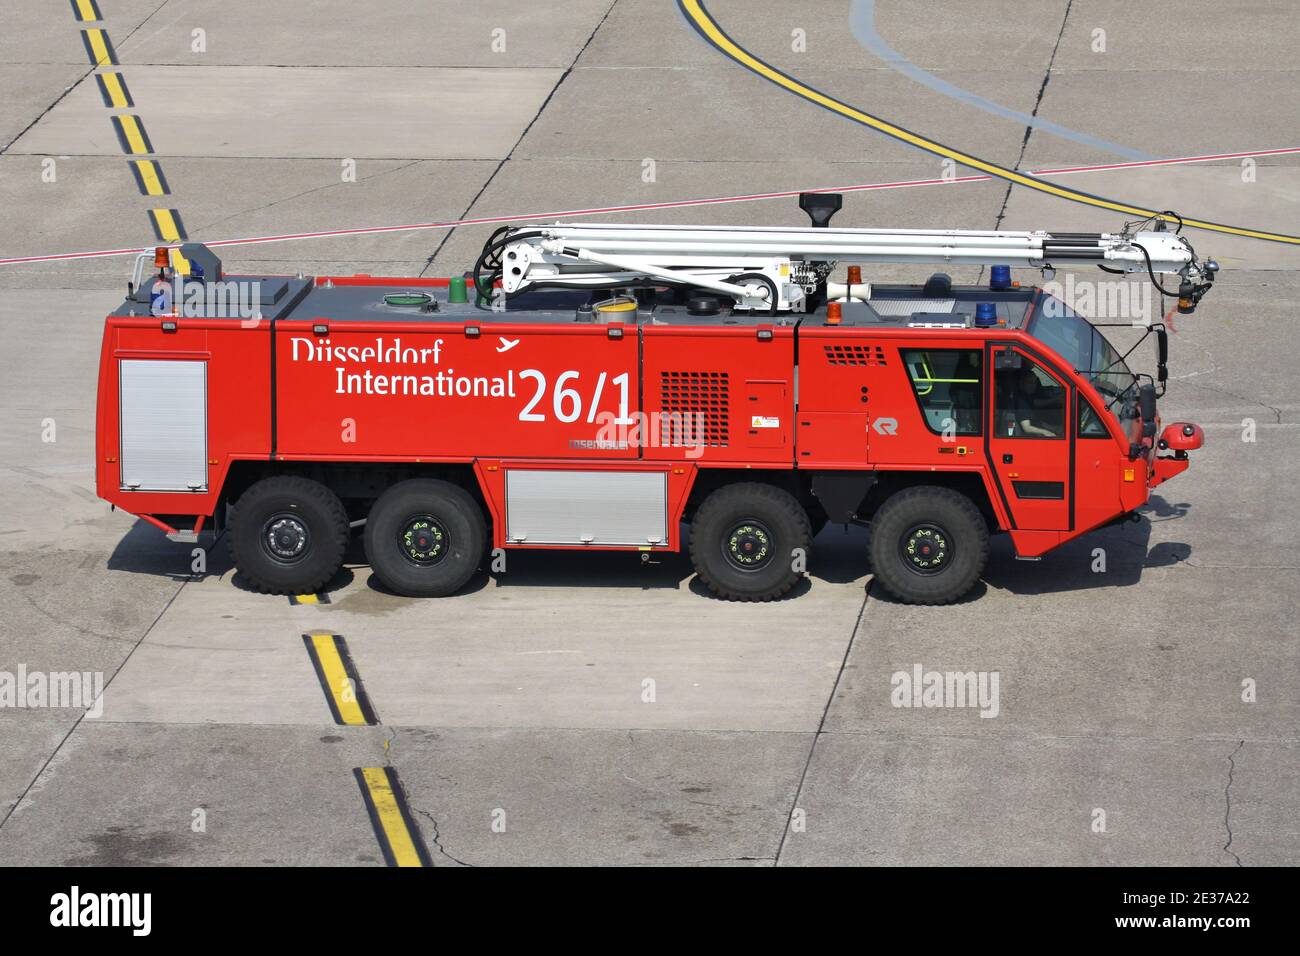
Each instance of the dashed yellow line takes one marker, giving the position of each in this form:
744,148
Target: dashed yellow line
99,47
309,599
399,837
112,87
149,177
167,225
707,27
86,11
131,134
346,697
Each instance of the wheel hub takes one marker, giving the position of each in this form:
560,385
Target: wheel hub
424,540
926,549
285,537
748,546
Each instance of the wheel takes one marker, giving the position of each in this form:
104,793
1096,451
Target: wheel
928,545
425,537
288,534
743,540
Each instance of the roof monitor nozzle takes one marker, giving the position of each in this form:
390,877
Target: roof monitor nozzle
820,207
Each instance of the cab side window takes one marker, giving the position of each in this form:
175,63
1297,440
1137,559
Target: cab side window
948,385
1028,402
1090,423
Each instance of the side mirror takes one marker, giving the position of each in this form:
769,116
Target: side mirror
1162,357
1147,402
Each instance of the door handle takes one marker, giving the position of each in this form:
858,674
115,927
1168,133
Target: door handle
1008,459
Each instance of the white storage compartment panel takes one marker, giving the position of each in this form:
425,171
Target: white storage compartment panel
164,424
587,507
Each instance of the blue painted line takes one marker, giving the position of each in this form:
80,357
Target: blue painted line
862,21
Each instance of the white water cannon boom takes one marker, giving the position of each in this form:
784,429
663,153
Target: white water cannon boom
775,268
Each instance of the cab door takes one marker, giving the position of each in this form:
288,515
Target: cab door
1030,439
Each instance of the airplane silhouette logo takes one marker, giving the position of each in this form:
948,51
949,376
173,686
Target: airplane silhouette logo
506,344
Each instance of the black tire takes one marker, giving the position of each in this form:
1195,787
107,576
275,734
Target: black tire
425,537
928,545
288,535
743,540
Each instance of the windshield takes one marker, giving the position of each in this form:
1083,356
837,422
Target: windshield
1077,341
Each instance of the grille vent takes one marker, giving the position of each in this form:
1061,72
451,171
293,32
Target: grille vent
697,405
855,355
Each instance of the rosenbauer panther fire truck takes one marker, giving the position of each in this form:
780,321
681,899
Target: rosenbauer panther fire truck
641,388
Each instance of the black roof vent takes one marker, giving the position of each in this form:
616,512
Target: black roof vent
938,286
703,305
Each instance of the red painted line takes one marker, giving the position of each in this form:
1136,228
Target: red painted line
642,207
1167,162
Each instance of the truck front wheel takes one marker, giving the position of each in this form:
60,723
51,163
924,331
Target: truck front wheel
928,545
750,542
425,537
288,534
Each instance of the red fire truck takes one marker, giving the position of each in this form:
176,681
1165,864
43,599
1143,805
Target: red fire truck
640,388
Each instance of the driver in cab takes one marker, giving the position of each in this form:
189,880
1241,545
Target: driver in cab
1033,410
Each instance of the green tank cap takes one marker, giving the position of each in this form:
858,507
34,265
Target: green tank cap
456,290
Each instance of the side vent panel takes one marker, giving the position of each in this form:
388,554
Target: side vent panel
697,405
872,355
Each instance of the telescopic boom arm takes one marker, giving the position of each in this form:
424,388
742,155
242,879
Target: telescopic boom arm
775,268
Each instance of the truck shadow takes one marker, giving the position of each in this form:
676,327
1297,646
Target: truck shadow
1106,558
145,550
602,569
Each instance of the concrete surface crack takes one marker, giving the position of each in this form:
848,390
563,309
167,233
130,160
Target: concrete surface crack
1038,101
1227,801
306,192
77,723
821,728
730,859
437,837
536,116
1238,567
45,112
1277,412
862,24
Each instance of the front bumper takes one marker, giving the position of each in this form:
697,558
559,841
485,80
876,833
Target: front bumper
1177,439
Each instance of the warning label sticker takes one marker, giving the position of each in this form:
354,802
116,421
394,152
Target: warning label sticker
761,421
